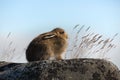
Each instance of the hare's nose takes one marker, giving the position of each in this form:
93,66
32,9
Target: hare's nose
66,36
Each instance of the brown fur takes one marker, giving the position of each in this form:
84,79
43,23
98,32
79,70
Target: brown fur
47,45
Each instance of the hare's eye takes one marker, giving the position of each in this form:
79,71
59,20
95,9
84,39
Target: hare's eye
61,32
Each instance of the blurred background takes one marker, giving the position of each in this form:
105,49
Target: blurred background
22,20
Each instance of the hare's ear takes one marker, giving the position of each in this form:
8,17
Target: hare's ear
48,36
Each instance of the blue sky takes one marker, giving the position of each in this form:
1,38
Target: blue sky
31,15
28,18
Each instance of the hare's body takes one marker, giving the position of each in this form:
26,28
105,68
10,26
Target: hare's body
47,46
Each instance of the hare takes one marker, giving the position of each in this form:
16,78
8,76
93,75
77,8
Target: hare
48,46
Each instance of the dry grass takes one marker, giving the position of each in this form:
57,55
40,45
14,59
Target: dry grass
8,51
84,44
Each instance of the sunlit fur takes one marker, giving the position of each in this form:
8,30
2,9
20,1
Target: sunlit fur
48,46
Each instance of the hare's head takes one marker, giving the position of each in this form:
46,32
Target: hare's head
60,33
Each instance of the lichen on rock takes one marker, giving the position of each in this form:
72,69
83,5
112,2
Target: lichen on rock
74,69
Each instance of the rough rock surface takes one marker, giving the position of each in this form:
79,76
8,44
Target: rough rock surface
74,69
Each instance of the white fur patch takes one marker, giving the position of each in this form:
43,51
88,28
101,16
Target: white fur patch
52,58
49,36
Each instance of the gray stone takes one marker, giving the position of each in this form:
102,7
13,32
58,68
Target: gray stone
74,69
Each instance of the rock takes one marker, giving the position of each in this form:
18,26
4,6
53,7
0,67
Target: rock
74,69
